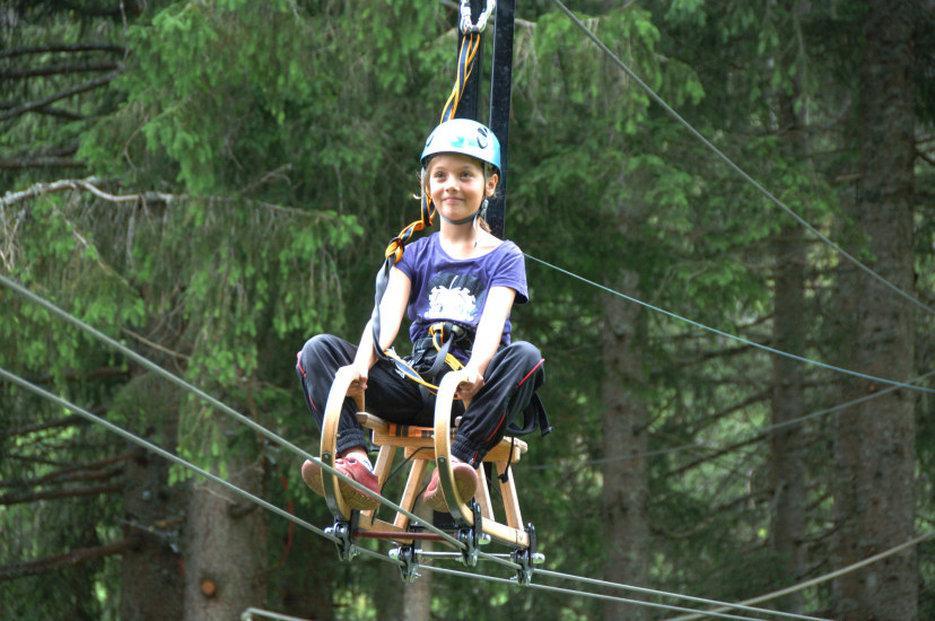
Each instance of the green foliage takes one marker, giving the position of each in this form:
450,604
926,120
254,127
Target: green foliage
284,136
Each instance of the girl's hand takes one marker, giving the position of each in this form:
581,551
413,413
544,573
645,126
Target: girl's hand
359,373
468,389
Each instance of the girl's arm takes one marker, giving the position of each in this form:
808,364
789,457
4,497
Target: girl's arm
489,332
392,308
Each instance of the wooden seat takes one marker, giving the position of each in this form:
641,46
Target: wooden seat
418,446
422,445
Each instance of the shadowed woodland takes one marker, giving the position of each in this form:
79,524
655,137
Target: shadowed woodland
211,182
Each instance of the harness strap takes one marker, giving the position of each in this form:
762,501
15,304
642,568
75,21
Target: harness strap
509,462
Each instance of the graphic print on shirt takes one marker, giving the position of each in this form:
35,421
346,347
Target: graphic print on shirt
453,297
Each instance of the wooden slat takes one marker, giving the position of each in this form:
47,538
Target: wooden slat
410,492
505,534
514,517
384,464
483,494
370,421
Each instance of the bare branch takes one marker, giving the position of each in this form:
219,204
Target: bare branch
15,499
74,557
65,473
68,421
64,47
65,477
722,451
76,90
11,198
49,110
40,162
88,184
142,339
21,74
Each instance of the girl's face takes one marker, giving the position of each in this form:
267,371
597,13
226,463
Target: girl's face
457,186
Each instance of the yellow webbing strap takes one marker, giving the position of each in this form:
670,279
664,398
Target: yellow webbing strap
450,360
406,369
470,44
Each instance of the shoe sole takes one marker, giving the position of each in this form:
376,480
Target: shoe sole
466,484
355,499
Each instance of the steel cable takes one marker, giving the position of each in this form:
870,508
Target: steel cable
223,407
362,551
741,339
697,134
123,433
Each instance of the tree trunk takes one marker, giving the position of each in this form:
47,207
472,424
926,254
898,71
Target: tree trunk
417,597
151,572
787,453
310,576
787,463
624,442
884,429
226,547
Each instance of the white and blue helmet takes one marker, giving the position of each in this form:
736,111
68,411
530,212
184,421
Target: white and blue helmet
465,137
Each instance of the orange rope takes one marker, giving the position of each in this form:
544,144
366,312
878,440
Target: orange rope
467,55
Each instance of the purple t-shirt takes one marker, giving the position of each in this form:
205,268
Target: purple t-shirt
455,290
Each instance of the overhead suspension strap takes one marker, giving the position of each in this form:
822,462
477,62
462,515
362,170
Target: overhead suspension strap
467,59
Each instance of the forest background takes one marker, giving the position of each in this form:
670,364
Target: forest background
245,164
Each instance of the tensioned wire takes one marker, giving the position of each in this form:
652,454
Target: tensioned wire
759,432
700,600
160,451
363,551
612,598
741,339
223,407
823,578
249,613
759,186
253,425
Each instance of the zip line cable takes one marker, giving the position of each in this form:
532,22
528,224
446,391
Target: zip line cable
700,600
152,366
248,614
363,551
145,362
759,432
697,134
15,379
555,589
823,578
741,339
120,431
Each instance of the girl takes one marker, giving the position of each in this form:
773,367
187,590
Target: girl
460,283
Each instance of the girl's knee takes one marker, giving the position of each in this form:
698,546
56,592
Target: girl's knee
312,352
526,354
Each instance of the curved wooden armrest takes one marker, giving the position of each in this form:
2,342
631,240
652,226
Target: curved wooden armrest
446,392
341,388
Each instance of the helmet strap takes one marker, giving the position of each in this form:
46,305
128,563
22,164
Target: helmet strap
463,220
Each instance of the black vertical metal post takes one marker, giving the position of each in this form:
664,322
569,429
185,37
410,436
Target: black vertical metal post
468,107
501,76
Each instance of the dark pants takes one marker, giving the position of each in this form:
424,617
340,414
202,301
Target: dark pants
510,381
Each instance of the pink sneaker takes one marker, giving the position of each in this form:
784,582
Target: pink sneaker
465,480
350,467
